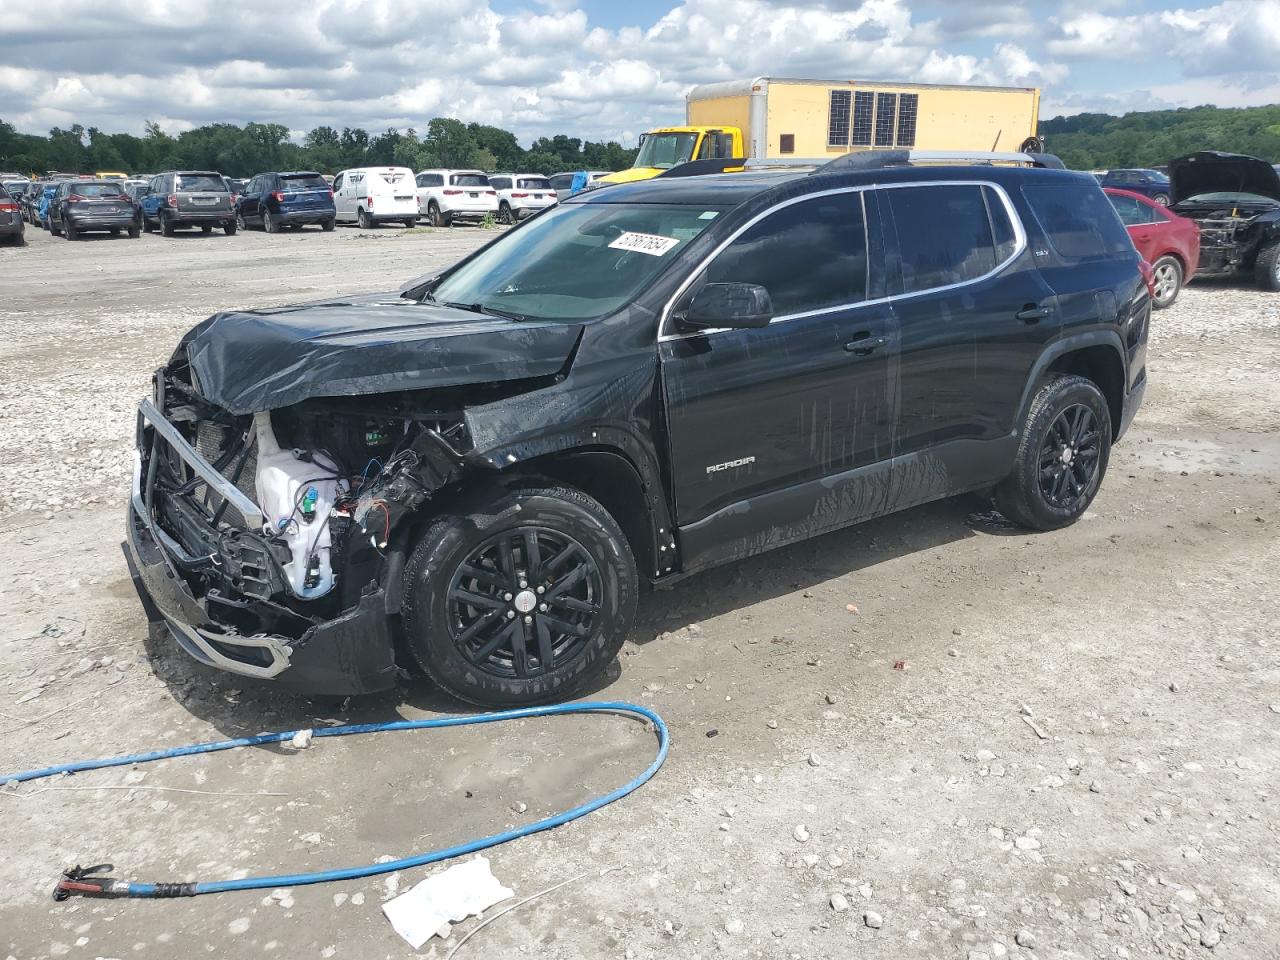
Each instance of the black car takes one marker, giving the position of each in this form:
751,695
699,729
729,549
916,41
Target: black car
87,206
293,200
188,198
634,385
12,227
1236,201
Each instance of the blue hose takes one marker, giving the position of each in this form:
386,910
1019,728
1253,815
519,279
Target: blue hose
120,888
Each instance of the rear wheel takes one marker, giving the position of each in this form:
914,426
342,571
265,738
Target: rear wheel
269,222
134,231
530,606
70,230
1267,267
434,216
363,219
206,228
147,226
1062,456
328,225
410,222
230,228
166,225
1161,198
504,213
115,231
1167,277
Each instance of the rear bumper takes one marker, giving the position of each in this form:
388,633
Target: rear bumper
103,221
192,218
319,215
14,227
349,654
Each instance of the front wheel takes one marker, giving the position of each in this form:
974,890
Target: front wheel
1267,268
1062,455
1167,277
1161,198
529,606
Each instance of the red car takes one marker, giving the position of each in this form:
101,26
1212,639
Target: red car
1170,243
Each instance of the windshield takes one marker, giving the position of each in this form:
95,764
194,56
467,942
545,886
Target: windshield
93,190
304,182
201,181
666,149
577,262
1231,198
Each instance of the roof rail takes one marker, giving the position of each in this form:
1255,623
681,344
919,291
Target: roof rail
877,159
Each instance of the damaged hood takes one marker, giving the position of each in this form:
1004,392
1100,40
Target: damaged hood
264,359
1212,172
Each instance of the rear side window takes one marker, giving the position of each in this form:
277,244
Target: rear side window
469,180
201,181
810,255
562,181
1132,213
500,183
312,182
534,183
945,234
431,180
1080,222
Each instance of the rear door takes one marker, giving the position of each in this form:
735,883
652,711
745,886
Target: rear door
202,194
758,419
304,193
342,195
974,315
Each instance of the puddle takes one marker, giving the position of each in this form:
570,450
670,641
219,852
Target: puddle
1247,454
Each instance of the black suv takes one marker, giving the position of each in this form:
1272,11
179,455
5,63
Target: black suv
636,384
1236,200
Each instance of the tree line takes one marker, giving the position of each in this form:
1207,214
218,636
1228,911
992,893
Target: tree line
242,151
1099,141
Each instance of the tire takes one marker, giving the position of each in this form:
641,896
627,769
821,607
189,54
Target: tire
230,229
115,231
147,226
1267,268
410,222
206,228
328,225
1168,281
1062,455
270,223
240,221
434,216
569,528
504,213
69,230
166,225
363,220
53,231
1161,198
134,232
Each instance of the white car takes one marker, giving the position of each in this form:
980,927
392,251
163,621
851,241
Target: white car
521,194
448,195
369,196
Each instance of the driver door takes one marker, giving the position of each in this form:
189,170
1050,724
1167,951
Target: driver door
759,419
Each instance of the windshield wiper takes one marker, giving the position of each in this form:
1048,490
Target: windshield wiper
492,311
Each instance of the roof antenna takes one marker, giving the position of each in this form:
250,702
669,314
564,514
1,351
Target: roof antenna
997,140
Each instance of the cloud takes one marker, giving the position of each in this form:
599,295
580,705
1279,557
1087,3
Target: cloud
550,69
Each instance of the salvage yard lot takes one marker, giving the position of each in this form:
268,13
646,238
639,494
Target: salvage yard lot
1060,744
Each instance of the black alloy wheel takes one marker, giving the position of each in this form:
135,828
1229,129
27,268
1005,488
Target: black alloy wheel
524,602
1069,457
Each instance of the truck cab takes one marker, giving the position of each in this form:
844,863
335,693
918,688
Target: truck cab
666,147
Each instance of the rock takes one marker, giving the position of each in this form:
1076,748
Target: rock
998,949
1073,764
734,927
302,739
873,920
1173,686
810,860
1095,787
800,833
339,899
1128,888
238,925
985,756
519,806
865,891
1210,933
839,903
1027,843
832,699
771,724
357,899
1092,910
1024,938
815,760
835,862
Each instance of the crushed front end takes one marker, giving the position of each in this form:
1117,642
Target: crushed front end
270,544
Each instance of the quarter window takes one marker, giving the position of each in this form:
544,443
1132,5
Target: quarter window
1080,223
1132,213
810,255
946,234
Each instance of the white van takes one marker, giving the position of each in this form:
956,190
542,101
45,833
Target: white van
373,195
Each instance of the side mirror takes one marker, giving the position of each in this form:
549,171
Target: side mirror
732,305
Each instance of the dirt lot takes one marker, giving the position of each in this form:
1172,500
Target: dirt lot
1078,756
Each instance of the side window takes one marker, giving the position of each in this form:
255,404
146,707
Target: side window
945,234
337,182
562,181
500,183
1002,228
1080,223
1132,213
809,255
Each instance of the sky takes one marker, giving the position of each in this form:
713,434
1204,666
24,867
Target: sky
596,69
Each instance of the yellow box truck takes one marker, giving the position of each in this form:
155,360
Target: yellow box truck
776,118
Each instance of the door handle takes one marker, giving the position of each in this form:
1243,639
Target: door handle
866,344
1033,314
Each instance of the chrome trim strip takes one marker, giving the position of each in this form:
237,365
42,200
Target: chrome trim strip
251,512
1020,244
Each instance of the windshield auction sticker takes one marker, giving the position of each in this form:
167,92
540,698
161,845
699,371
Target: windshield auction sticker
650,243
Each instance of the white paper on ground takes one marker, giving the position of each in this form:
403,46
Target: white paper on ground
462,891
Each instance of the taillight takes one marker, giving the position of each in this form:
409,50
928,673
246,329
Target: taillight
7,207
492,193
453,193
368,201
74,198
331,194
171,200
277,196
519,195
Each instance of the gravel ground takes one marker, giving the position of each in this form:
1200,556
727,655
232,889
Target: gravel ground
1062,746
